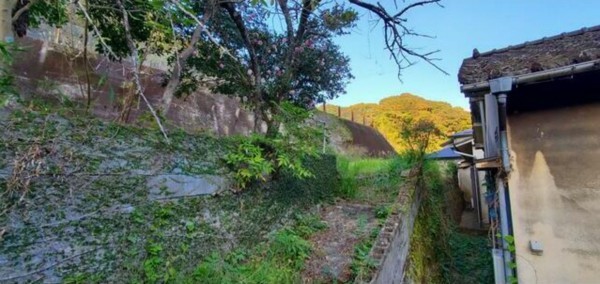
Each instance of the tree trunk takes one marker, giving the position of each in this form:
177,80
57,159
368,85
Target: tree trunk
178,68
272,128
6,27
269,117
170,90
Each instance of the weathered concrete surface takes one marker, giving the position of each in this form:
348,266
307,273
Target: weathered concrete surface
50,70
555,190
179,185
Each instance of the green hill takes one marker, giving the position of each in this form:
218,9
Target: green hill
387,114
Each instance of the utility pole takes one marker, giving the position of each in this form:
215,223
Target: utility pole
6,28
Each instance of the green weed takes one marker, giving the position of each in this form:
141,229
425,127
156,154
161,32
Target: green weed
278,261
439,253
372,180
362,265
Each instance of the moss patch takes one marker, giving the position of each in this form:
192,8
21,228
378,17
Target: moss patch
85,215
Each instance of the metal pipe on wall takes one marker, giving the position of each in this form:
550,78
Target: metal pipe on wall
503,131
476,194
501,86
504,227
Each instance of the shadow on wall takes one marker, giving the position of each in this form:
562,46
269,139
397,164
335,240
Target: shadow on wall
41,69
370,139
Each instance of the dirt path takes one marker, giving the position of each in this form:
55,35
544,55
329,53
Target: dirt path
333,248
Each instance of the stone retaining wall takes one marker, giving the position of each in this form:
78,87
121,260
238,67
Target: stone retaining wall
392,247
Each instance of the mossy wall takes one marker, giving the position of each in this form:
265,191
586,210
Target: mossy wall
310,190
82,211
439,252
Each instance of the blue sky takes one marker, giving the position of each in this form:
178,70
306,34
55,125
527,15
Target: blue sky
458,27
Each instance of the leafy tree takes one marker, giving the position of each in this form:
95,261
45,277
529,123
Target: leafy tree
417,136
265,52
301,65
285,51
257,158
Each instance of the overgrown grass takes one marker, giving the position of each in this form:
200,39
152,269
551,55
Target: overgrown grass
470,259
373,181
439,253
362,166
279,260
125,236
370,180
428,247
363,265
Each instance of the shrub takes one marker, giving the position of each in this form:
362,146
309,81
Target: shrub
278,261
258,157
7,88
248,163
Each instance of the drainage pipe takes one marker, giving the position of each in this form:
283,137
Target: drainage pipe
483,119
503,131
505,223
504,228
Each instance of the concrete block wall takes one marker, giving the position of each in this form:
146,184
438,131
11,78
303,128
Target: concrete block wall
392,247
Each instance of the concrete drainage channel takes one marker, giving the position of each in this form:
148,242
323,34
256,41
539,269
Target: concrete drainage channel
391,249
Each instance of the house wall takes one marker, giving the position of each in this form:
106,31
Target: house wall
485,219
555,191
465,184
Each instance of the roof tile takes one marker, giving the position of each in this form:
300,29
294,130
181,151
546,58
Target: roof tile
533,56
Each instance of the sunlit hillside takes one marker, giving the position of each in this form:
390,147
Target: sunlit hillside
388,114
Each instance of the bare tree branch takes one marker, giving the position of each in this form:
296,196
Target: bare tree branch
98,34
422,3
395,32
181,59
308,7
202,25
288,18
23,9
241,27
136,69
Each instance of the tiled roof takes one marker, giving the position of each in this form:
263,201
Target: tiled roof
547,53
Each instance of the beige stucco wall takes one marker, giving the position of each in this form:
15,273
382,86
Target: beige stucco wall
465,185
555,193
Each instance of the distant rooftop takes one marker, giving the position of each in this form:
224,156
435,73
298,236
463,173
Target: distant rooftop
547,53
445,153
464,133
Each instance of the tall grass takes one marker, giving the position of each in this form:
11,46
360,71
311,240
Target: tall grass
278,261
361,178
